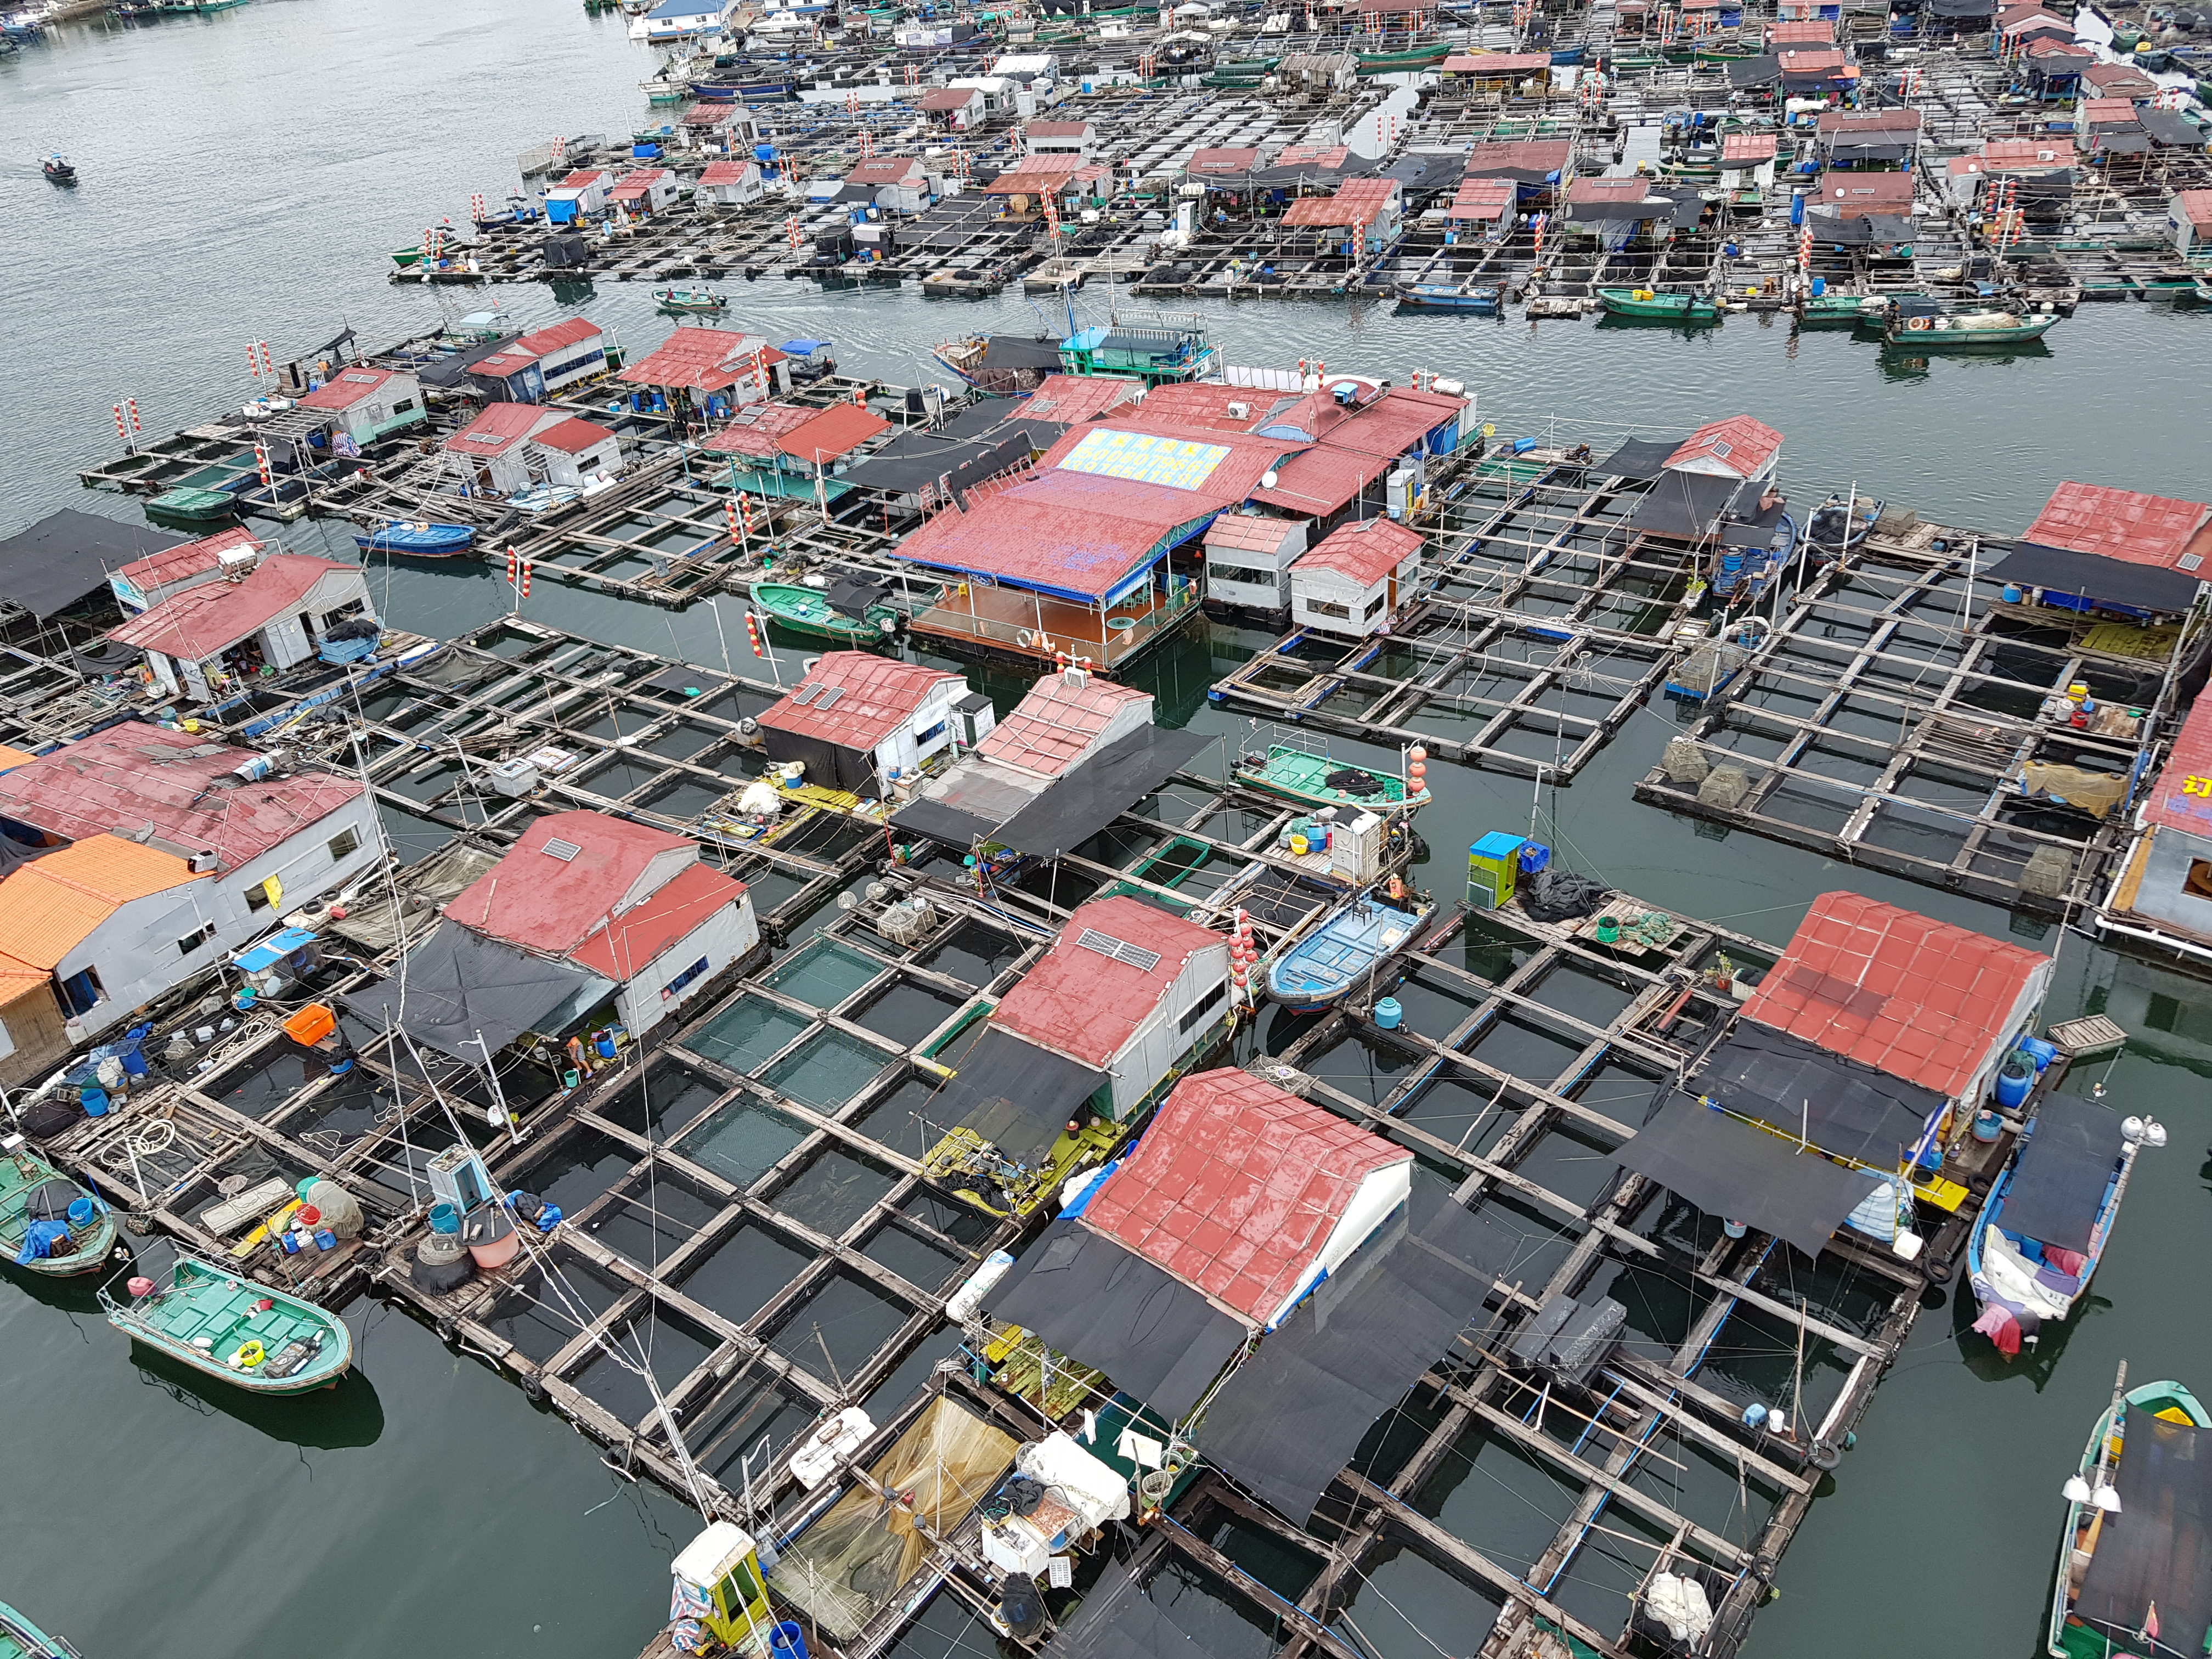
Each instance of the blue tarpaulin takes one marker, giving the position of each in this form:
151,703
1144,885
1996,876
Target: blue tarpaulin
39,1241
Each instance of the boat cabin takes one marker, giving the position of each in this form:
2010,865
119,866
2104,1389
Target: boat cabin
624,904
206,641
1355,580
366,404
864,724
513,446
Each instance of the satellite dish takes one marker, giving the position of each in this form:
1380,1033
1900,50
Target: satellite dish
1268,479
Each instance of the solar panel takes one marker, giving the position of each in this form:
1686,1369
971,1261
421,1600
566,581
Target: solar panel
563,850
1144,459
807,693
1120,950
830,696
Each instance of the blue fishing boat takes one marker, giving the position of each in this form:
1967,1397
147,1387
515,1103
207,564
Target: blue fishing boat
1480,298
2039,1235
1351,942
417,539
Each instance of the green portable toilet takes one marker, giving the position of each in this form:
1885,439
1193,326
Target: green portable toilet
1492,864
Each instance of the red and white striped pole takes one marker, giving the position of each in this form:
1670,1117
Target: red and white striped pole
753,634
261,462
122,432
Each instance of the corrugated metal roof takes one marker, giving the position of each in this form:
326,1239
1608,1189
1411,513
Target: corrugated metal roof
1917,999
702,358
497,430
2182,797
1538,155
1226,160
2127,524
1086,1004
1237,1186
642,934
1747,148
542,342
1484,199
1057,722
726,172
544,901
1739,444
348,388
2194,205
48,908
215,616
1497,62
886,170
855,699
173,564
1067,398
572,436
1249,532
1367,552
832,432
1322,480
135,777
755,429
1867,120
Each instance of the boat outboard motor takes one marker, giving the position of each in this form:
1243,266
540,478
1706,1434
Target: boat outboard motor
1021,1607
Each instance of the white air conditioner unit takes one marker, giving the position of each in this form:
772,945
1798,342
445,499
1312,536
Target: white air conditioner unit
1240,412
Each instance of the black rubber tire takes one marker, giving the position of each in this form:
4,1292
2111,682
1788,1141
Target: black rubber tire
1824,1455
1939,1273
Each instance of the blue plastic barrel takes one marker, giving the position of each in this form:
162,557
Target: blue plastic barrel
2016,1078
1797,207
1387,1013
94,1099
1819,286
444,1219
787,1641
2011,593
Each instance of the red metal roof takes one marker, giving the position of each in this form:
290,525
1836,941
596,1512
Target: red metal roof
837,431
200,620
1497,62
1366,552
546,901
1869,120
572,436
543,341
1810,62
584,177
1249,532
951,98
2109,112
1322,480
1225,161
2182,797
1085,541
1597,192
1343,210
1322,155
875,695
1056,722
498,429
2121,80
636,185
1069,398
1237,1186
2053,47
1087,1004
642,934
347,387
726,172
710,115
2021,155
1747,148
886,170
1853,194
1055,129
1519,155
134,777
2125,523
2193,205
1739,444
1917,999
1806,31
704,359
1484,199
755,429
173,564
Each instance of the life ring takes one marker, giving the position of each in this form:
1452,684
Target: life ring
1916,324
250,1354
1027,639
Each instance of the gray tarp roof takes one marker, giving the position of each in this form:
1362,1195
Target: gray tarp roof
460,986
2171,126
1072,808
68,554
1640,458
1839,1105
2087,576
1733,1171
2156,1549
1293,1415
1095,1299
1015,1094
915,461
1118,1621
1868,230
1685,504
2059,1181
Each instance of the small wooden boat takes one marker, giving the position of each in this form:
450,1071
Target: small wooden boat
804,610
1840,310
405,256
1482,298
2135,1534
57,171
22,1639
2046,1222
1651,306
254,1337
1385,63
189,506
1350,945
418,539
1966,329
48,1224
1315,781
689,299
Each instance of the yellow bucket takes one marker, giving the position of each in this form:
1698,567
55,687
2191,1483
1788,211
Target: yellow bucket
1299,846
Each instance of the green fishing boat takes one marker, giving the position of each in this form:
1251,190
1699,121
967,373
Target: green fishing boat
804,610
1965,331
2134,1531
216,1321
1382,62
689,299
48,1224
22,1639
1838,310
1649,304
1315,781
193,507
405,257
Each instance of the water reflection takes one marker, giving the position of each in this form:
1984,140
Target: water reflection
346,1413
